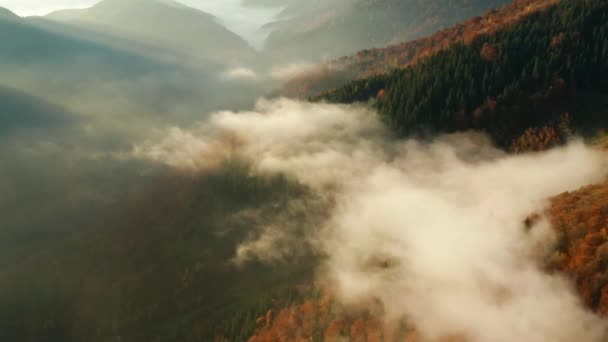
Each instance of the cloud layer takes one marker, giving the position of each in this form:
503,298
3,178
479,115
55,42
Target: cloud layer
433,230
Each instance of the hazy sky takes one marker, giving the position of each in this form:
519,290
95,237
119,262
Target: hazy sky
242,20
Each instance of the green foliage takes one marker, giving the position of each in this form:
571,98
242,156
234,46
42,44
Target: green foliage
565,47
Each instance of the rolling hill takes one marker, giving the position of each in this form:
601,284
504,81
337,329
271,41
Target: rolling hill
81,68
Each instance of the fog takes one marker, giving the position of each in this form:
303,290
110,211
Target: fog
432,229
244,20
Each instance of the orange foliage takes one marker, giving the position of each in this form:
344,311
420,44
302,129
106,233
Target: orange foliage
543,138
581,219
334,330
536,139
489,52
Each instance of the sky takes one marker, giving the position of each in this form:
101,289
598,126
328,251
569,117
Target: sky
242,20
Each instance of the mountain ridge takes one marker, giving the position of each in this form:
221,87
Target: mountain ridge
376,61
324,30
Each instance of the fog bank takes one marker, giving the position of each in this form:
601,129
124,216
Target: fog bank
433,230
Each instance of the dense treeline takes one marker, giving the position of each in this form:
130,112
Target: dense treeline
526,76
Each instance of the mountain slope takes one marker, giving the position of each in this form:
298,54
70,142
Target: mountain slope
164,23
344,27
580,217
27,44
68,70
376,61
527,85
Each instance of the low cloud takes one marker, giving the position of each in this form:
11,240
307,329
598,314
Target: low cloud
240,74
293,70
433,230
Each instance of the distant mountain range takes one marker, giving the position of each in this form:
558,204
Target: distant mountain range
25,42
329,29
87,67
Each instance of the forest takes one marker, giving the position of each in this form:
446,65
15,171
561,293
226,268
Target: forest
523,85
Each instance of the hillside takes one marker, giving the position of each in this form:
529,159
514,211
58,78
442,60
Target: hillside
528,85
79,70
377,61
166,24
344,27
581,219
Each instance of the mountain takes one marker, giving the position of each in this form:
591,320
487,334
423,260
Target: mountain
344,27
26,44
293,8
65,68
6,14
163,23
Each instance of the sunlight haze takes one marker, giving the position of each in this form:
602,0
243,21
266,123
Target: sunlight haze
245,21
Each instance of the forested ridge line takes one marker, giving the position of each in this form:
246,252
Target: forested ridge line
378,61
528,85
